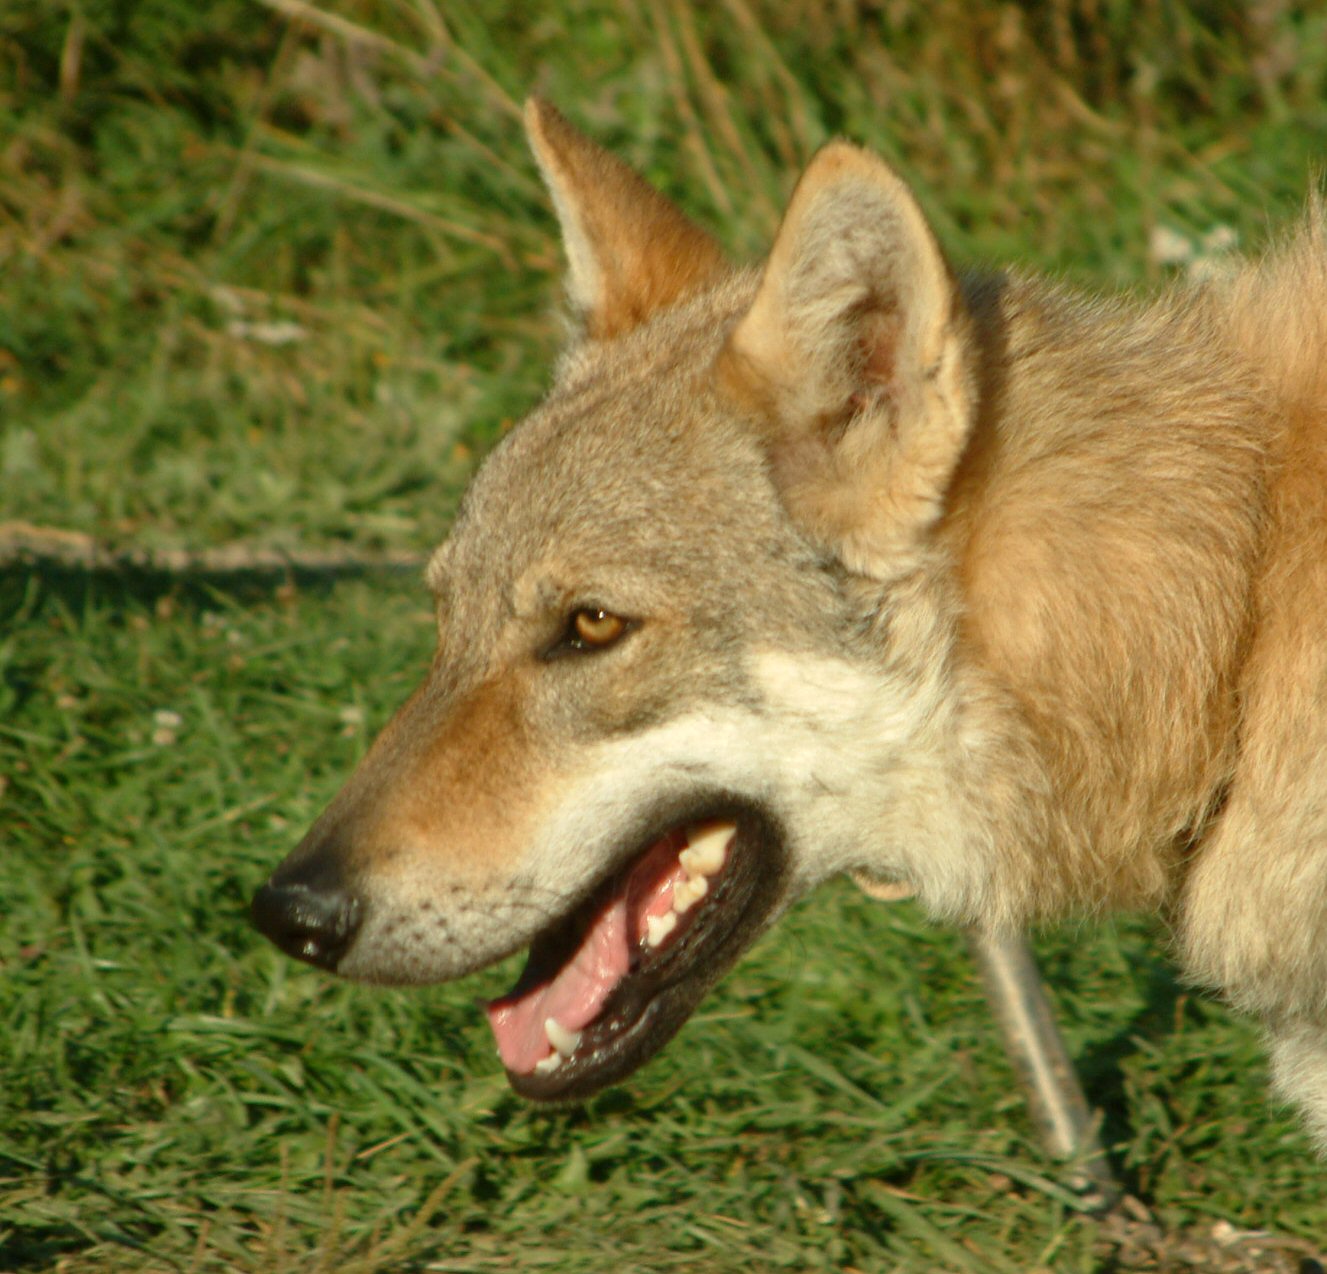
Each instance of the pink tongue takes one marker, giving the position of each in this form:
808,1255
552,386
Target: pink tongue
579,989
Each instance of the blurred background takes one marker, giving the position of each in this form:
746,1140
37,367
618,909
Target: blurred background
273,276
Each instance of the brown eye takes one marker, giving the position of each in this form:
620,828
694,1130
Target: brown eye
596,628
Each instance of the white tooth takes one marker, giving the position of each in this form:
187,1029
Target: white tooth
562,1040
707,849
686,893
657,928
550,1063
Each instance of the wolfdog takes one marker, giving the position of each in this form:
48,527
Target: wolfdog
852,563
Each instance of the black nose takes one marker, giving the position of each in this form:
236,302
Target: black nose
307,922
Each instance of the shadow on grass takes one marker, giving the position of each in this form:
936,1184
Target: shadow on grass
26,589
1102,1068
44,606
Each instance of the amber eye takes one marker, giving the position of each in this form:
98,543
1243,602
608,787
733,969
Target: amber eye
588,630
593,629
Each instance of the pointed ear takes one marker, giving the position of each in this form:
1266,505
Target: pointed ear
855,357
631,252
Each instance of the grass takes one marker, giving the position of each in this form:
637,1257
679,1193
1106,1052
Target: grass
278,274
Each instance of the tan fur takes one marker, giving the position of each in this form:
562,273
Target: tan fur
1256,900
1106,527
826,340
422,759
631,251
986,590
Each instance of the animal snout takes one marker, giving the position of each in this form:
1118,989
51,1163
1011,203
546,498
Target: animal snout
316,922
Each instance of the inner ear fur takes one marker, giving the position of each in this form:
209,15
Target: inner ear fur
630,251
854,357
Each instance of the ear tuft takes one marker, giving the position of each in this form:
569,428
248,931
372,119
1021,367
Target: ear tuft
855,356
630,251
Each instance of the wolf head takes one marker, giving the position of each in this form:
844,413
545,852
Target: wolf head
692,657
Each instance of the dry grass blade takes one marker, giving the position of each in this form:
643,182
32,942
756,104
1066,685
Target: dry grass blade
351,32
790,109
394,204
22,544
694,136
720,112
423,66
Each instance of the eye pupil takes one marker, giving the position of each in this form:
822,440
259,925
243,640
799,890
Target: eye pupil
597,627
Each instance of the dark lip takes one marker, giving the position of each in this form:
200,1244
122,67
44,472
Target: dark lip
655,999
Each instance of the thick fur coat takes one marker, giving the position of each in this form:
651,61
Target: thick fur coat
962,583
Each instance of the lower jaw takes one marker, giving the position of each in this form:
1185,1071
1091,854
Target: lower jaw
642,1015
591,1069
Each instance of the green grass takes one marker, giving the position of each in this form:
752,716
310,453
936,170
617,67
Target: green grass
281,280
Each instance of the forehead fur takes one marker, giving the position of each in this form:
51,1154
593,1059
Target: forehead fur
633,459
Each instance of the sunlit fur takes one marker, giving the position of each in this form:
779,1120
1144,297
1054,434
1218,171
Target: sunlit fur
982,588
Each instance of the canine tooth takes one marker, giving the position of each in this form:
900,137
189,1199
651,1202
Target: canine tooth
706,853
657,928
562,1040
549,1063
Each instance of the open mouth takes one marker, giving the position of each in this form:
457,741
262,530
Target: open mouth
605,988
